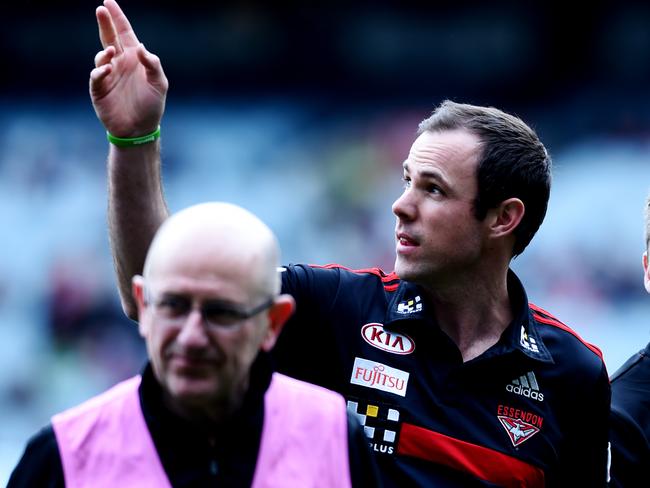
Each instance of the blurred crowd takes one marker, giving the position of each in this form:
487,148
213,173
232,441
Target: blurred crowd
322,178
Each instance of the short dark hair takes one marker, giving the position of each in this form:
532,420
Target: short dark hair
513,162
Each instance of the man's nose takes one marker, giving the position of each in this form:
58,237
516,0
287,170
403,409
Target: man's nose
404,206
193,332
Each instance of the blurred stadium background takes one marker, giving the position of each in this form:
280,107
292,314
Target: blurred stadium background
304,114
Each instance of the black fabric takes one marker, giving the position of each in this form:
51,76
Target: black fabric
630,422
373,338
199,455
40,465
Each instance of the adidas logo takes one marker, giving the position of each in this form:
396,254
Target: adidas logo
526,385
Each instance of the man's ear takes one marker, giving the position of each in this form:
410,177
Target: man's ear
278,315
506,217
137,290
646,272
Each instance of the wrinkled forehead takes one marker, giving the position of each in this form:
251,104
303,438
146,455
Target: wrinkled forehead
448,145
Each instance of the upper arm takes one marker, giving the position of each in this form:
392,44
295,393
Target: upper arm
305,345
629,449
629,423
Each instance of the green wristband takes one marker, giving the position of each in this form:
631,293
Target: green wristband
133,141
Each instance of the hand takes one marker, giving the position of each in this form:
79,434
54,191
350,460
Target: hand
128,86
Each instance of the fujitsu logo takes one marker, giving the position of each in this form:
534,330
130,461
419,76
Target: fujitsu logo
375,335
372,374
526,385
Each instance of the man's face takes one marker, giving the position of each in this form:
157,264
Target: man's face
197,362
437,234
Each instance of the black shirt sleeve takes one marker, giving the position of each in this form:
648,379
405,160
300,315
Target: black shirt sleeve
629,448
584,460
630,422
308,341
40,466
363,469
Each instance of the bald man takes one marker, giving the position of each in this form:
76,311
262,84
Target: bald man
208,409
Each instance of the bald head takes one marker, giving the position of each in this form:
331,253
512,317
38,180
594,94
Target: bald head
220,260
217,238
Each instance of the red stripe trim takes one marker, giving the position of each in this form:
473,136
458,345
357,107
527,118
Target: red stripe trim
560,325
385,278
481,462
376,271
541,310
551,320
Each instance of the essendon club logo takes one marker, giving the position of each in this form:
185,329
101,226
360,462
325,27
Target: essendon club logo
375,335
517,429
519,424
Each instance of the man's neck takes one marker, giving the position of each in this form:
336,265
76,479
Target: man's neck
473,314
211,414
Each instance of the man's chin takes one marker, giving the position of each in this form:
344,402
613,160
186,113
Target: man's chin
193,391
406,273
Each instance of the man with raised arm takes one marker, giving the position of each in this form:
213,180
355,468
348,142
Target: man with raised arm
457,379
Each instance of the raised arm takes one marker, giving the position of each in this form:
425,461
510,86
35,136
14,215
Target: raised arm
128,89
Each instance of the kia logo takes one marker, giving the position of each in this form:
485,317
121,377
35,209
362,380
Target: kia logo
375,335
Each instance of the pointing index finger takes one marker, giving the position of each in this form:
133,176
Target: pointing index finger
121,24
107,33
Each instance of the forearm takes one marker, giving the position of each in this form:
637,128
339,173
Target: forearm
128,88
136,208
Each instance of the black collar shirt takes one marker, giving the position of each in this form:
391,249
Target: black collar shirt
530,411
630,421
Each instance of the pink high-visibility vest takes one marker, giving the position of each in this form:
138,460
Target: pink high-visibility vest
104,442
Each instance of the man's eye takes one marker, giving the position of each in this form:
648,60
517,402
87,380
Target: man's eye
174,306
407,181
221,316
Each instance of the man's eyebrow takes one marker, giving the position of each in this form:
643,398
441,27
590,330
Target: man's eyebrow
167,295
171,293
431,174
428,174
